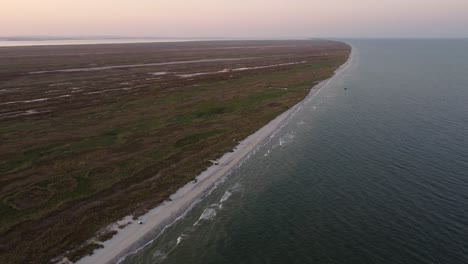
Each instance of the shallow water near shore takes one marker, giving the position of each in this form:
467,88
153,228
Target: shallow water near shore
376,173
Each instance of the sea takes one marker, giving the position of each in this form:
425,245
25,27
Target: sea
371,169
49,41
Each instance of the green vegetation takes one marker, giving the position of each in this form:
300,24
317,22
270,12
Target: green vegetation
108,234
68,174
195,138
82,251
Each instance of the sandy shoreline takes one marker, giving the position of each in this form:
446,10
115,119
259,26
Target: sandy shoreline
134,236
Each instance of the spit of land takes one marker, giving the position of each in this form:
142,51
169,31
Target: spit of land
92,133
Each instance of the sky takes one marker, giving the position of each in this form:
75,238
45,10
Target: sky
235,18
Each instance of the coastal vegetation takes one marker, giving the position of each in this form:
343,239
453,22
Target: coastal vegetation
83,148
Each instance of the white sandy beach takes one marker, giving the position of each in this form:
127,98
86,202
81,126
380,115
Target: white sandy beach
134,236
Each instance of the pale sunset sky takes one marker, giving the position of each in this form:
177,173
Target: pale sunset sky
235,18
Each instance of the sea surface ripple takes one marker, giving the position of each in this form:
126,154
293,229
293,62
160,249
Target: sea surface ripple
375,173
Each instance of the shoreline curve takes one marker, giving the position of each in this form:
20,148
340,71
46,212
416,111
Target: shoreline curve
135,237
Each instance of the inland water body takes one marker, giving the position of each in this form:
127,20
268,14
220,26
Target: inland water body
374,173
22,41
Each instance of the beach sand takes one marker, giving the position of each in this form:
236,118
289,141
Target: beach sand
134,236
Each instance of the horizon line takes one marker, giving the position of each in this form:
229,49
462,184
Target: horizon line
110,37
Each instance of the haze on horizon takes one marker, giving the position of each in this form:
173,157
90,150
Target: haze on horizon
236,19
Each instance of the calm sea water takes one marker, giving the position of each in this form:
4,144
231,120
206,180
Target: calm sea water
377,173
84,41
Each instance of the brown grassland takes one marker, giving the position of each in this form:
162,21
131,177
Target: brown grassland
81,149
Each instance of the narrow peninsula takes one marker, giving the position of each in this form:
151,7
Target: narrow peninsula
98,134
